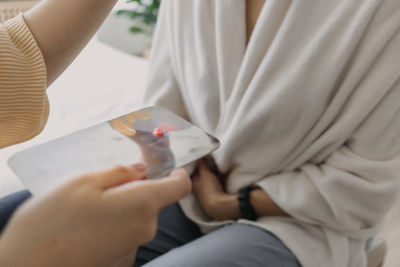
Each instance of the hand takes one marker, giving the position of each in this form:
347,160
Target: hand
156,151
93,220
217,204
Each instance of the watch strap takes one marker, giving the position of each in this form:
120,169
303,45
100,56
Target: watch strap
246,208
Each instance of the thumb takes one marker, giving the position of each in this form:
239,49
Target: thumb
172,188
120,175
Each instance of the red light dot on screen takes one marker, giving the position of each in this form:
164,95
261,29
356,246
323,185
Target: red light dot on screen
158,132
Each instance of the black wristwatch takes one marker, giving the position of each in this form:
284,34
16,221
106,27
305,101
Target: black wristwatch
246,209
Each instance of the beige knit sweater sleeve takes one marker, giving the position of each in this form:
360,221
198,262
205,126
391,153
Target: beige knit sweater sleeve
24,105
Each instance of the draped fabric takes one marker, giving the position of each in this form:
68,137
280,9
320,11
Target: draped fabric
309,110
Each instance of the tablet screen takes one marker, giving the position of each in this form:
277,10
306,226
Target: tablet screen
155,136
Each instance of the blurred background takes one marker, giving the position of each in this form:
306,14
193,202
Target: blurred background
115,64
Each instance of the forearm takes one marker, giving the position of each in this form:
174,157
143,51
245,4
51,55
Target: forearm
264,205
226,206
63,27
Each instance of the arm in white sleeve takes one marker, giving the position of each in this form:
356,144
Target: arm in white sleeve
355,187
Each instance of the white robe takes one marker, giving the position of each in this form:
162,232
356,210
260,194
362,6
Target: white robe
309,111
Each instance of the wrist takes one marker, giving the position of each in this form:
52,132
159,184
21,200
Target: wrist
264,205
245,205
225,207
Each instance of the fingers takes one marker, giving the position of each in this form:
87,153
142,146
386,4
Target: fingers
206,181
161,192
120,175
203,168
203,171
172,188
200,173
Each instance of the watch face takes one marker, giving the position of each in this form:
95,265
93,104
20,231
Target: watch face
157,137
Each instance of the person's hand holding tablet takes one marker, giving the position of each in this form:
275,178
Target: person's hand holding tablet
116,206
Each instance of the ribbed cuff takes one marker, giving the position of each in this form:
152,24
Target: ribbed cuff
25,42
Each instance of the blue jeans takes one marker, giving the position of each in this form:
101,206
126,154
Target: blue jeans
9,204
179,243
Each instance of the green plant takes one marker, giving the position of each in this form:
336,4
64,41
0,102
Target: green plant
144,14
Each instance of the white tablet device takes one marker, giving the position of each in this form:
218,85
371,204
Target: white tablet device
155,136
